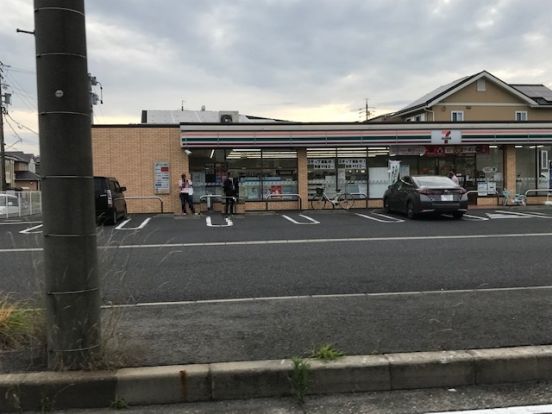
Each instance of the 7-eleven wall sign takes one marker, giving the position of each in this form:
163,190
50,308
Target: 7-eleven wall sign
446,136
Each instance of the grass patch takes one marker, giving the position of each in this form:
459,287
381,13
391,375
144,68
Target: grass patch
20,325
300,378
326,352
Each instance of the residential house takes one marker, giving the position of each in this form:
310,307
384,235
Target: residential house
478,97
24,167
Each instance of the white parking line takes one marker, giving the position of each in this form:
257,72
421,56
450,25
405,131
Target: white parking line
30,230
302,241
334,296
474,218
393,219
530,409
19,222
141,226
312,221
229,222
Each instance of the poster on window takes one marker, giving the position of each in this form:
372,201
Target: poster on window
394,170
161,178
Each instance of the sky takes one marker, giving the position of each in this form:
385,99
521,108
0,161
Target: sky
298,60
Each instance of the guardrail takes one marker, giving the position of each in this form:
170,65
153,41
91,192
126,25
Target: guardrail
364,197
269,196
146,198
538,190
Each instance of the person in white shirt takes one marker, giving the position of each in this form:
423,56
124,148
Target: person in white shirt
453,177
186,193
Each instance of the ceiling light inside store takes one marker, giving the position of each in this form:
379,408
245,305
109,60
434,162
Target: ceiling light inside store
493,146
519,146
212,153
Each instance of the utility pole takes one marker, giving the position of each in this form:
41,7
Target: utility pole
70,255
3,182
366,110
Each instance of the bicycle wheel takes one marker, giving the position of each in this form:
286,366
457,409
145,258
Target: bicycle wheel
318,202
346,201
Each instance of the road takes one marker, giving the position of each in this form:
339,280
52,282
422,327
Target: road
182,259
262,286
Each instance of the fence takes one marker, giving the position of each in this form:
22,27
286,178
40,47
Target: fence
20,203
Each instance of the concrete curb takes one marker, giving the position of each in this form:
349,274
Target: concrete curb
255,379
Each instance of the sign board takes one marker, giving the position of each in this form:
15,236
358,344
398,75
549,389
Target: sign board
322,163
161,178
446,137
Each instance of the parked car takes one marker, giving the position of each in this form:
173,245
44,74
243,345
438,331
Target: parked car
110,200
426,194
9,205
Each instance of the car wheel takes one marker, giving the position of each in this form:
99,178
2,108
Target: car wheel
125,215
457,214
410,210
386,206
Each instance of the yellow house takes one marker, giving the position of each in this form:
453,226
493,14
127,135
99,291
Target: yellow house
478,97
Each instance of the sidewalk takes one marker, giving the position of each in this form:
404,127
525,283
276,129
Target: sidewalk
181,352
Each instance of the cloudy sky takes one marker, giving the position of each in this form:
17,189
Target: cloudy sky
300,60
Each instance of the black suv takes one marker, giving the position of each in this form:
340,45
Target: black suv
110,200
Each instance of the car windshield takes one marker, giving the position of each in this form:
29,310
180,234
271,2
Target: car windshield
434,182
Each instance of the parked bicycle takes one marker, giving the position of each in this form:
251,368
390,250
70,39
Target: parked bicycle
321,200
509,199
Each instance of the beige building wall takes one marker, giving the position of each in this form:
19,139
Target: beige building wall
493,104
129,154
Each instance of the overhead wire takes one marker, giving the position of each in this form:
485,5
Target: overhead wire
20,125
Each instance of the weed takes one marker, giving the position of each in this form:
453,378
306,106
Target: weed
119,404
326,353
300,378
19,325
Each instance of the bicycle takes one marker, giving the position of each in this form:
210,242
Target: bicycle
513,200
344,200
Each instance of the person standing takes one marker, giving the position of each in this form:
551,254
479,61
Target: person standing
186,193
229,192
453,177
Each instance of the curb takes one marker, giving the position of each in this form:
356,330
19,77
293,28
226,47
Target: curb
256,379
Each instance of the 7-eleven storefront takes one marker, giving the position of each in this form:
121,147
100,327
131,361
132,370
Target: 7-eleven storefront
279,161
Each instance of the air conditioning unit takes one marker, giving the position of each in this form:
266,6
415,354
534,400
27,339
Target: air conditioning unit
229,117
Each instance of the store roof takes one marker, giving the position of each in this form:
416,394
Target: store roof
154,116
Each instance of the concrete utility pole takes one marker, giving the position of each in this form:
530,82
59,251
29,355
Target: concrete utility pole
3,183
70,257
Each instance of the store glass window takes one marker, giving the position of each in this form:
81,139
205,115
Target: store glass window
544,153
526,168
247,166
352,174
279,172
321,167
378,171
207,168
489,174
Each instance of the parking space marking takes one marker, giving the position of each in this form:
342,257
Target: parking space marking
7,223
141,226
30,230
389,218
311,220
504,214
474,218
229,222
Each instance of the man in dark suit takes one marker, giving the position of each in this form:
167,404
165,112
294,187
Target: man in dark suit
230,193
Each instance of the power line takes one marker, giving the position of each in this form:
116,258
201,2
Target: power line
22,126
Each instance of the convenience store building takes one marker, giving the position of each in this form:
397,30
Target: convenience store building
275,159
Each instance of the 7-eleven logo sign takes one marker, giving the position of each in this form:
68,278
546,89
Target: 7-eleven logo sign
446,136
